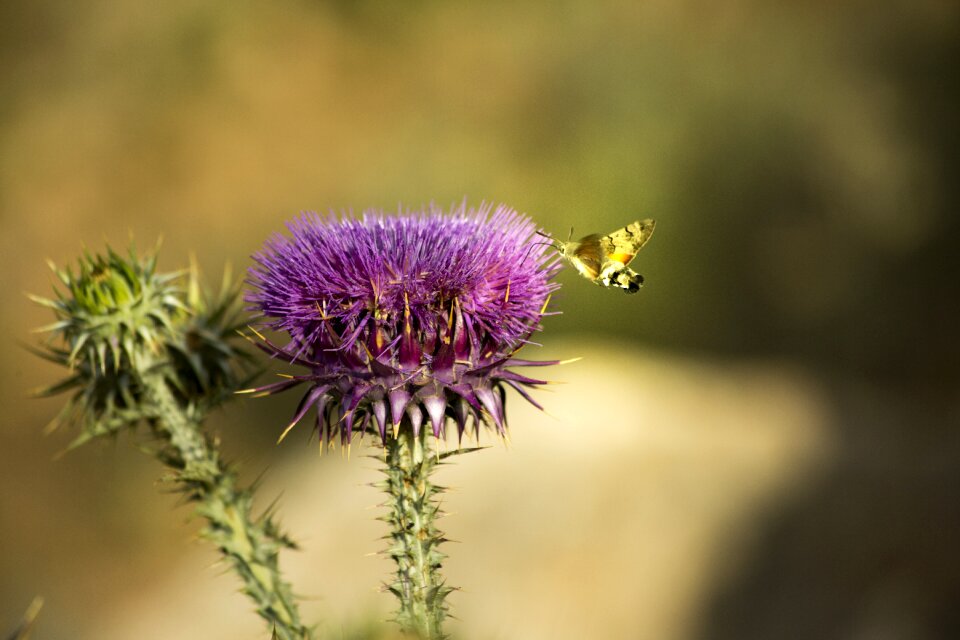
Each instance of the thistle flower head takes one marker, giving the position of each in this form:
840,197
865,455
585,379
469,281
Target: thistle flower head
416,315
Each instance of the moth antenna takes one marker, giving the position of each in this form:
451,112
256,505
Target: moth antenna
570,235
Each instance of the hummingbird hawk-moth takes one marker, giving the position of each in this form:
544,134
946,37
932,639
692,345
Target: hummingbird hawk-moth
603,259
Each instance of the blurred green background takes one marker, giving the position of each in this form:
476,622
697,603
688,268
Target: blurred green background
763,443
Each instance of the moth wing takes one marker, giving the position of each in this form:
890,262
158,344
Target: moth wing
623,244
586,255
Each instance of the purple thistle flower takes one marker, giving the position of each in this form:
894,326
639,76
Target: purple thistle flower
416,315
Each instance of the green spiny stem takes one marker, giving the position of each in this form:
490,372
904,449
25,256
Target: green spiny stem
412,500
250,544
139,348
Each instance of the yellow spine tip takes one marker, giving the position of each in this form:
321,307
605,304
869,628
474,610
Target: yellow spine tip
285,432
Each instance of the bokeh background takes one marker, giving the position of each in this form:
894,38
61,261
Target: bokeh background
762,444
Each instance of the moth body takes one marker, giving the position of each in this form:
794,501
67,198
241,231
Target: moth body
603,259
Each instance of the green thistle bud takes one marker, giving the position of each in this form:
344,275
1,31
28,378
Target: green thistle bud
115,310
142,348
207,367
119,321
113,317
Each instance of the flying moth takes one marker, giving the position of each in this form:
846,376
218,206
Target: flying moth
603,259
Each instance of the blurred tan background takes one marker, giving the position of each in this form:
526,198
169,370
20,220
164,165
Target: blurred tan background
762,444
